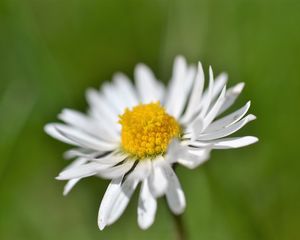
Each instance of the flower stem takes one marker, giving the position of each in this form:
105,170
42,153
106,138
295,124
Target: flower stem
181,233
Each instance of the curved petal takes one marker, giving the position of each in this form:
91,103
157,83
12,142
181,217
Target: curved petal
113,96
194,158
226,143
115,201
77,137
196,95
87,124
175,196
100,107
219,83
146,206
71,183
126,89
214,110
51,130
179,87
157,180
146,84
190,158
196,128
116,171
142,170
84,170
229,119
208,99
231,95
227,131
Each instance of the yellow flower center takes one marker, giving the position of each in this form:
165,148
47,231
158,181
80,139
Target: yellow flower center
147,130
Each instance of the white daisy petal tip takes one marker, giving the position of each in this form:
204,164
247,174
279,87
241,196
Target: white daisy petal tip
211,73
248,104
139,69
237,89
180,58
200,67
49,128
224,76
118,76
146,207
250,140
251,117
101,224
175,195
69,186
59,178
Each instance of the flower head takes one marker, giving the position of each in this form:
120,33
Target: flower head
147,130
136,133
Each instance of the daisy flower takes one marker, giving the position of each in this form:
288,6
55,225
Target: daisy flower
135,133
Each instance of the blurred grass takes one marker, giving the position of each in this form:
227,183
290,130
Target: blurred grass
52,50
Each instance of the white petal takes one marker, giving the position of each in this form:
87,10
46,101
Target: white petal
76,119
173,151
146,206
82,152
196,128
194,158
184,92
178,87
160,91
100,107
79,161
214,110
113,97
196,95
112,158
126,89
116,171
237,142
229,119
227,131
87,124
52,131
70,184
185,156
209,96
175,196
115,201
219,83
146,84
76,137
179,71
207,100
142,170
231,95
127,189
200,124
157,180
81,171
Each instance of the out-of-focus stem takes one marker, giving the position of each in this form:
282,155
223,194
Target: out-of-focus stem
181,233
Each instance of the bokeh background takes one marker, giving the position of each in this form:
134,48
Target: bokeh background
52,50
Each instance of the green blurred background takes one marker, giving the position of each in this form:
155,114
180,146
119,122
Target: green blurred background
52,50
